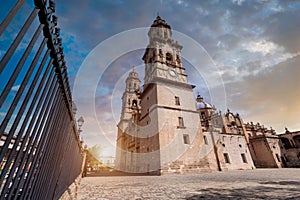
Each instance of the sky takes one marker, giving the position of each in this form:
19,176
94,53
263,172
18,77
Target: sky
252,47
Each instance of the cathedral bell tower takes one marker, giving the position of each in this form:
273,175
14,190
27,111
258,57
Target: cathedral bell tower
163,56
129,115
168,113
130,99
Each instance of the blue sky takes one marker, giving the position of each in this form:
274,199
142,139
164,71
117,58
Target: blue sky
254,44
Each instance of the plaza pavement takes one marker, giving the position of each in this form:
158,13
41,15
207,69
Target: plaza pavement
240,184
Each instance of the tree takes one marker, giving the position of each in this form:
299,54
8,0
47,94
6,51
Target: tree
93,157
95,151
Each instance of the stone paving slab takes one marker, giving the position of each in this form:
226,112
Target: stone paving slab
241,184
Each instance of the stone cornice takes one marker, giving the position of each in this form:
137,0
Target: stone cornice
168,82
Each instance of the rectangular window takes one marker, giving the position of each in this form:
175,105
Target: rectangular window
177,102
278,158
180,122
205,139
186,139
226,158
244,158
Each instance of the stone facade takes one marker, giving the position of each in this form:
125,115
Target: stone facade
291,145
265,146
164,129
271,150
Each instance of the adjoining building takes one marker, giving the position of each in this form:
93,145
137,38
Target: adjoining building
271,150
291,144
265,146
163,129
229,144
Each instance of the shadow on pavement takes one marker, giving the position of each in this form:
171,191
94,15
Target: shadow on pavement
116,173
281,183
258,192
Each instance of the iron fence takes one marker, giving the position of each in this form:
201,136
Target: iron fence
41,152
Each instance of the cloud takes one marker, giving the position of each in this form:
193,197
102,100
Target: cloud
282,28
238,2
263,47
267,97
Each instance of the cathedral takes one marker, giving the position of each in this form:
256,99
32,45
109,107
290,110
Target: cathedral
164,128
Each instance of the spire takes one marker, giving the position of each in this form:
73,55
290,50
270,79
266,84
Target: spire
161,23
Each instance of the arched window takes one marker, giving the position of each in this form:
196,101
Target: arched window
134,103
168,56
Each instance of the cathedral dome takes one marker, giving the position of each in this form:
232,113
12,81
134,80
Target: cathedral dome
133,81
133,74
203,105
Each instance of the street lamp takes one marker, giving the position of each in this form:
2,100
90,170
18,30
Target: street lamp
80,122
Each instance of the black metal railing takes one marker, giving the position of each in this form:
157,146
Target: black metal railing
41,152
